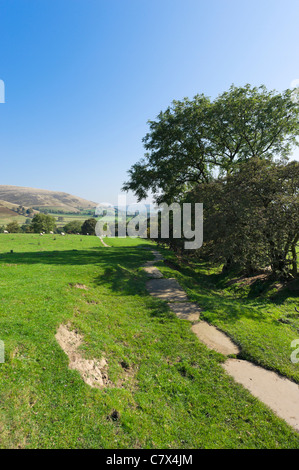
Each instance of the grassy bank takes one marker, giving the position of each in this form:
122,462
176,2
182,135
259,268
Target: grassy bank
169,391
257,313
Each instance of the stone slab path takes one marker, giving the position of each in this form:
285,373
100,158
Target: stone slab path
166,289
185,310
281,395
153,272
278,393
214,339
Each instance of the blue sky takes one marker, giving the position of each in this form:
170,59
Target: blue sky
82,77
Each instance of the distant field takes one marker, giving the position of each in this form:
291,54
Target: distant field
4,211
69,218
166,391
8,216
6,219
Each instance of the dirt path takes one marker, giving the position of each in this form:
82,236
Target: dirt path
103,243
278,393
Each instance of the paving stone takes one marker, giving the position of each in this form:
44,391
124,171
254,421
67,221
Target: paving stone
158,255
153,272
278,393
185,310
214,339
149,263
167,289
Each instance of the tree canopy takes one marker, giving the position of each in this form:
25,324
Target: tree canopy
42,223
193,139
230,154
88,227
74,226
251,218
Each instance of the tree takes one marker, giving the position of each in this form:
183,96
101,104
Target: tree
88,227
30,212
42,223
13,227
251,218
194,138
26,228
21,210
73,227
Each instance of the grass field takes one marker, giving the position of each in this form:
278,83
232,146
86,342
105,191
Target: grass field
172,391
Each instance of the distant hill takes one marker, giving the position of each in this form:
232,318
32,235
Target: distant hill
11,196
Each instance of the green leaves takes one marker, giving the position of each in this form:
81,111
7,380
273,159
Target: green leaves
193,138
251,218
42,223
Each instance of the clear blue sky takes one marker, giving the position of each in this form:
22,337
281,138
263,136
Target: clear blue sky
83,77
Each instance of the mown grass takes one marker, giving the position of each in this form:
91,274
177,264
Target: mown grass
258,314
169,390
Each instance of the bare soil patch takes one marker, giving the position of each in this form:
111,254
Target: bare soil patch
248,281
79,286
92,371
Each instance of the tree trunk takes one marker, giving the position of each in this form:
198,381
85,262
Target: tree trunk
294,258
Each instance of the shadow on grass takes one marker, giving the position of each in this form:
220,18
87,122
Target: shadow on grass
213,295
117,267
131,257
272,290
122,279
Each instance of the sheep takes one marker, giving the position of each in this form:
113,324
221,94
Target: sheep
5,231
41,234
62,233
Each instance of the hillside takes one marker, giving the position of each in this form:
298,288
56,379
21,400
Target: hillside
41,198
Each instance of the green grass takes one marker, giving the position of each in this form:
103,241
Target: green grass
259,316
173,393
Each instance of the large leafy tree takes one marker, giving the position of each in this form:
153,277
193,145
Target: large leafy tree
73,227
42,223
88,227
251,217
13,227
192,139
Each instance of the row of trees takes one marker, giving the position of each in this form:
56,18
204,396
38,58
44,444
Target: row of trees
46,223
21,210
231,154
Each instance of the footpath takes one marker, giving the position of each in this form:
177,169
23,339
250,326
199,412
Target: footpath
278,393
